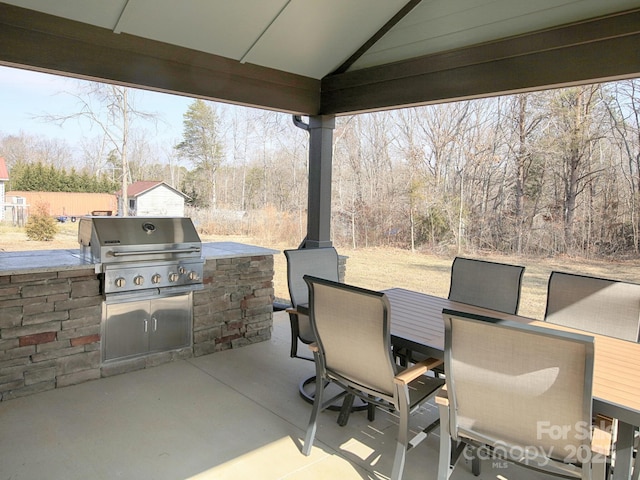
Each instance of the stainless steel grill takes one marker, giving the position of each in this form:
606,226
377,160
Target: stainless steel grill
149,268
143,255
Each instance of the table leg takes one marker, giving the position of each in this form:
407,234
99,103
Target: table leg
624,452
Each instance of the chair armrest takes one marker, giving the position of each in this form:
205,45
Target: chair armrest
442,398
415,371
601,441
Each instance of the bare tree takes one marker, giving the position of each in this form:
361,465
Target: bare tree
575,131
110,108
524,124
622,100
25,148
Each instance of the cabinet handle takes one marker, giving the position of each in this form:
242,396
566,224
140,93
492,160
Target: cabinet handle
155,324
146,326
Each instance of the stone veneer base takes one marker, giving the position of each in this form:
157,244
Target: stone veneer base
50,322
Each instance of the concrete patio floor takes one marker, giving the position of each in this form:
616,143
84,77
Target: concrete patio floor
230,415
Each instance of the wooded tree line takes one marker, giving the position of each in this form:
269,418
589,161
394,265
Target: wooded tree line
547,172
36,177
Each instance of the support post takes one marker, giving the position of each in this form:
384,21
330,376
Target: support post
320,165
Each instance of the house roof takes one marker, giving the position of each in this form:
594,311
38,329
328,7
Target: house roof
137,189
4,172
328,57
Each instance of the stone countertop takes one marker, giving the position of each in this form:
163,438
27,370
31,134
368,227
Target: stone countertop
38,261
234,249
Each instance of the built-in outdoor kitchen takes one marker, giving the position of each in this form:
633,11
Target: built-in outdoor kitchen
138,292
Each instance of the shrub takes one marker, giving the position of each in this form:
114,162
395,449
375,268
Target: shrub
40,226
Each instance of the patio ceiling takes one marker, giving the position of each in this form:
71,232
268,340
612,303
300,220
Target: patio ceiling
315,57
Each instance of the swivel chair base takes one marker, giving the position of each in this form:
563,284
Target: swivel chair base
307,392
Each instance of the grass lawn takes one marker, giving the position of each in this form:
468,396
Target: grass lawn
379,268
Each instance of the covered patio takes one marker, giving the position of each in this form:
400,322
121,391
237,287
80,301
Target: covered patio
329,58
233,414
237,413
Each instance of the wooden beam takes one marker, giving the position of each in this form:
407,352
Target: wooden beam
42,42
587,52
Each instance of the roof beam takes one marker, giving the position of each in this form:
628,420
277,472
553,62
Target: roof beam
42,42
377,36
586,52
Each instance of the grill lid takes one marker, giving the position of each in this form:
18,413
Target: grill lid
120,239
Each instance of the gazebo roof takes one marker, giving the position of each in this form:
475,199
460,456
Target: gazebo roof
326,57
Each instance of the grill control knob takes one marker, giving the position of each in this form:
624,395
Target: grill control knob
156,278
193,275
173,277
138,280
120,282
182,270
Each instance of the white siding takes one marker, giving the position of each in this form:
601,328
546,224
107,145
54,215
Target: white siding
160,201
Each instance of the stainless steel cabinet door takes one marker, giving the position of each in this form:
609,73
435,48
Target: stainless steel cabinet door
126,330
170,323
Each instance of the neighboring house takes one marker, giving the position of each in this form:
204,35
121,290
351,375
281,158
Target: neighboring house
154,199
4,178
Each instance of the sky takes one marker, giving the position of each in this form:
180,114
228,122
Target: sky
25,95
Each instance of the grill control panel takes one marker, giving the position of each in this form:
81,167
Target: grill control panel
121,278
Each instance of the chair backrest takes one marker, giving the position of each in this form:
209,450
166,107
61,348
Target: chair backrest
597,305
319,262
352,329
486,284
516,386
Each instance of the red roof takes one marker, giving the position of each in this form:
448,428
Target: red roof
138,188
4,173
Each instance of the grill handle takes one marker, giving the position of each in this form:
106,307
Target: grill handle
152,252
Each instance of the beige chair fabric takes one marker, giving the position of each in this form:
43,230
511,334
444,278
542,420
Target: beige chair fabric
486,284
597,305
353,349
319,262
514,388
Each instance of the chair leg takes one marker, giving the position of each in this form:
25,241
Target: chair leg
475,464
401,446
636,465
599,470
315,411
371,411
347,405
313,424
444,461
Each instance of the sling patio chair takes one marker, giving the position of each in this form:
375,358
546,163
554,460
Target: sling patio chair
519,393
480,283
598,305
353,349
491,285
323,263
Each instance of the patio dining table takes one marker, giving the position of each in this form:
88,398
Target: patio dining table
417,324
